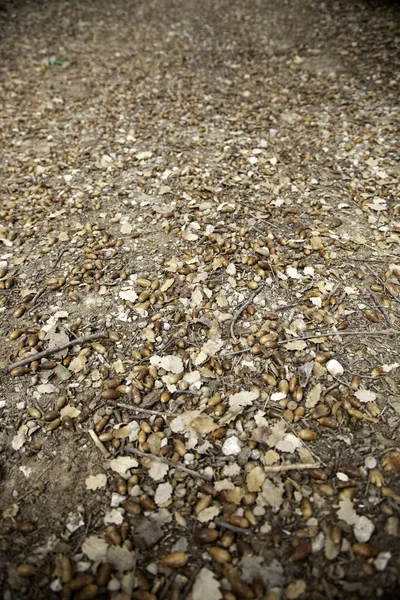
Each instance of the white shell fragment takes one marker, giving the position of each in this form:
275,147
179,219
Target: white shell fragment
334,368
231,446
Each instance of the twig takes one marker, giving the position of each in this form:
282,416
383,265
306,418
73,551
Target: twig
241,309
387,288
291,467
378,305
168,585
55,349
37,295
98,443
341,333
168,462
189,584
38,478
327,589
59,255
146,411
242,530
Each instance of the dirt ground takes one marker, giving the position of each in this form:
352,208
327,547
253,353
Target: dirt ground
199,229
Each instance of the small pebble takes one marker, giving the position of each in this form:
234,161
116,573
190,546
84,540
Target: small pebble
231,446
334,368
370,462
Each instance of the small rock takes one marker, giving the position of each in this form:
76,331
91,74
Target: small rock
334,368
381,561
231,446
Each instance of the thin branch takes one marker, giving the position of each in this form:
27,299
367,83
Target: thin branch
387,288
173,465
379,306
146,411
98,443
242,530
291,467
341,333
241,309
55,349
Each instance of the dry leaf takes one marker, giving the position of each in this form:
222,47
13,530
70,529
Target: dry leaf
121,558
346,512
208,514
363,529
158,470
289,443
163,493
313,396
95,482
255,479
206,586
95,548
365,395
122,464
204,425
171,363
296,589
272,494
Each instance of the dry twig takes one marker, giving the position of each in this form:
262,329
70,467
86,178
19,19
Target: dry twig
241,309
292,467
55,349
341,333
173,465
146,411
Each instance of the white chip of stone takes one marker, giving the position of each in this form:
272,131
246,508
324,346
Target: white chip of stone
370,462
334,367
381,561
231,446
342,476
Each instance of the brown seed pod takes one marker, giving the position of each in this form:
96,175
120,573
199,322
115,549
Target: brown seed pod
87,593
24,527
308,435
329,422
19,311
364,550
306,508
335,533
51,416
175,560
19,371
147,502
391,461
205,535
131,506
300,552
238,521
244,548
15,334
322,410
220,555
103,574
26,570
240,589
67,423
372,316
113,535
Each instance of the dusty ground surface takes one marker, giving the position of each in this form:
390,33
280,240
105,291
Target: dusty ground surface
213,188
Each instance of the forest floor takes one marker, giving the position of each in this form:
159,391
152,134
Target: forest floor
199,235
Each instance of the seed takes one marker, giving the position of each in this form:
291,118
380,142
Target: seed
323,357
319,474
364,550
372,316
308,435
326,489
376,477
227,538
241,590
205,535
24,527
298,394
306,508
34,413
80,581
335,534
111,394
50,416
283,386
269,379
329,422
103,575
131,506
220,555
147,502
66,568
373,409
26,570
18,371
238,521
320,411
14,335
202,504
180,447
54,425
60,402
19,311
145,283
300,552
377,371
99,348
87,593
244,548
113,535
67,423
252,285
175,560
